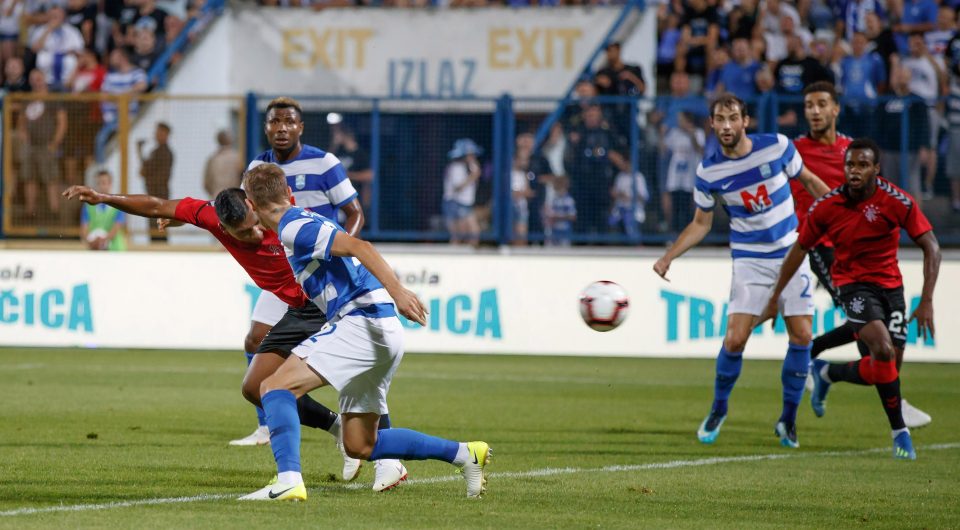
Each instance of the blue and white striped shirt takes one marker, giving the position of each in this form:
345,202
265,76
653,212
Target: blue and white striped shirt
317,178
339,286
755,190
116,82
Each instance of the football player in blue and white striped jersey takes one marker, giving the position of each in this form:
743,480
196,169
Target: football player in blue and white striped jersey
750,173
356,351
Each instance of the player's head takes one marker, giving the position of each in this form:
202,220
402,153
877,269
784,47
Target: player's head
861,165
821,106
104,181
266,186
729,120
283,124
236,217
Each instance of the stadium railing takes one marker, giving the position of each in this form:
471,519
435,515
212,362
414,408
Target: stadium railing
402,153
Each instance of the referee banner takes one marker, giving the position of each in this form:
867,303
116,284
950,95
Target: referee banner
478,304
401,53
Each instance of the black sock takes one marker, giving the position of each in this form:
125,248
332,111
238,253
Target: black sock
847,372
832,339
384,422
313,414
890,397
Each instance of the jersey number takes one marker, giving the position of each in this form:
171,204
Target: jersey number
806,286
896,323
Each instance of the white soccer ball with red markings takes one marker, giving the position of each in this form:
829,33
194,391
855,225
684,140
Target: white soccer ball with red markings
604,305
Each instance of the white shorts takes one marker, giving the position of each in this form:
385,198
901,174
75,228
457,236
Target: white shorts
753,279
358,356
269,309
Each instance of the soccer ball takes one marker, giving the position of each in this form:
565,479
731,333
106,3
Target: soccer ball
604,305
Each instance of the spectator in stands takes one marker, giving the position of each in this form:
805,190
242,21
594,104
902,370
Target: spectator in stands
927,80
560,213
123,78
82,15
14,79
744,21
863,79
952,61
720,60
596,154
699,36
681,99
916,16
918,133
43,125
617,78
939,38
10,13
133,13
792,74
856,15
520,194
739,76
881,41
667,47
584,93
103,227
146,50
630,196
56,45
460,192
778,43
355,159
157,167
683,145
224,168
82,116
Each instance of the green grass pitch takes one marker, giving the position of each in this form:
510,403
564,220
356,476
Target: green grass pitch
92,438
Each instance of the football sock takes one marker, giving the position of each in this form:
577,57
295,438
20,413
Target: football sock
832,339
261,416
407,444
313,414
847,372
793,375
728,370
384,422
281,409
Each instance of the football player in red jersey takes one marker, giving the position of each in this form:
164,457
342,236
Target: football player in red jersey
863,218
823,149
260,253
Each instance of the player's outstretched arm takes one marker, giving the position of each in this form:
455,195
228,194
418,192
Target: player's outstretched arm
142,205
408,304
689,238
791,262
812,183
923,314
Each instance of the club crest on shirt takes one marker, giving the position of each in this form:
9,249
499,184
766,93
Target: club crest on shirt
871,213
765,170
300,182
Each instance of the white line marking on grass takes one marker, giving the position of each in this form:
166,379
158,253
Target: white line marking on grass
545,472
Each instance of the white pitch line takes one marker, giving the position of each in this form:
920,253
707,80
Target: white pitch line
544,472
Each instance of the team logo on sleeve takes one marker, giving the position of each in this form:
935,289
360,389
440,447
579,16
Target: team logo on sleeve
871,213
300,182
765,171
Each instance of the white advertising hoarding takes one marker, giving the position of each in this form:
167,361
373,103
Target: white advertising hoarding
478,304
419,53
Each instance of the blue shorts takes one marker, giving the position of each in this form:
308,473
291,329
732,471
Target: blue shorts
454,211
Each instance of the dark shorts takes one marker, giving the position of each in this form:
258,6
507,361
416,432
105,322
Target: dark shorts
296,326
821,259
865,303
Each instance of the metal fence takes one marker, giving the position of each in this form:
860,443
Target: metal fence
154,144
607,170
